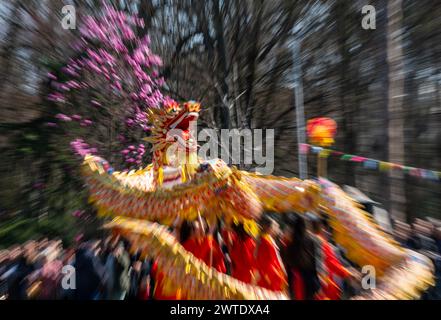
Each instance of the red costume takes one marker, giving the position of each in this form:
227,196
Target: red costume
205,249
208,250
161,292
242,256
144,290
270,266
332,267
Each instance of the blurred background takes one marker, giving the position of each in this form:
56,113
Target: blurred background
240,60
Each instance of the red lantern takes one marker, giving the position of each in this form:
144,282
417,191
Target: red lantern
321,131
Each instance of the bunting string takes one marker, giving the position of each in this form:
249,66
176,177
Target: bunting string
371,164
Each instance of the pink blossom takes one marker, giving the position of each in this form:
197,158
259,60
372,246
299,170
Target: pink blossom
95,103
125,77
82,148
79,237
77,213
68,70
63,117
51,76
146,88
73,84
118,85
155,60
86,123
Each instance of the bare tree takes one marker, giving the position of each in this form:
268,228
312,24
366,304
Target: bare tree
395,106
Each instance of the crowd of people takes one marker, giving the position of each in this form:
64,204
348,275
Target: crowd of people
423,236
104,269
299,258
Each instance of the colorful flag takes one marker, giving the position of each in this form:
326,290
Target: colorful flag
370,164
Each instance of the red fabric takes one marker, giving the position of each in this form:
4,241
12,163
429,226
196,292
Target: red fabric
334,268
242,256
269,265
207,249
144,295
158,292
144,292
299,288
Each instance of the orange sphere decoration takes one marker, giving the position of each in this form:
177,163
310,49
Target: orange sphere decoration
321,131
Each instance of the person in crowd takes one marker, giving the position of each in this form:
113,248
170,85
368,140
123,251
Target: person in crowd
22,267
328,265
135,274
222,239
241,248
4,266
427,239
421,236
145,291
50,274
437,236
105,270
284,242
122,278
300,259
286,236
109,266
88,277
194,238
402,233
269,265
202,245
68,259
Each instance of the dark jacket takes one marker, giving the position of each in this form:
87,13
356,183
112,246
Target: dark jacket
88,275
301,258
122,265
17,283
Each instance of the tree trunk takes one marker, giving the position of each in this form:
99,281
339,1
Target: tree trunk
381,144
395,108
345,88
